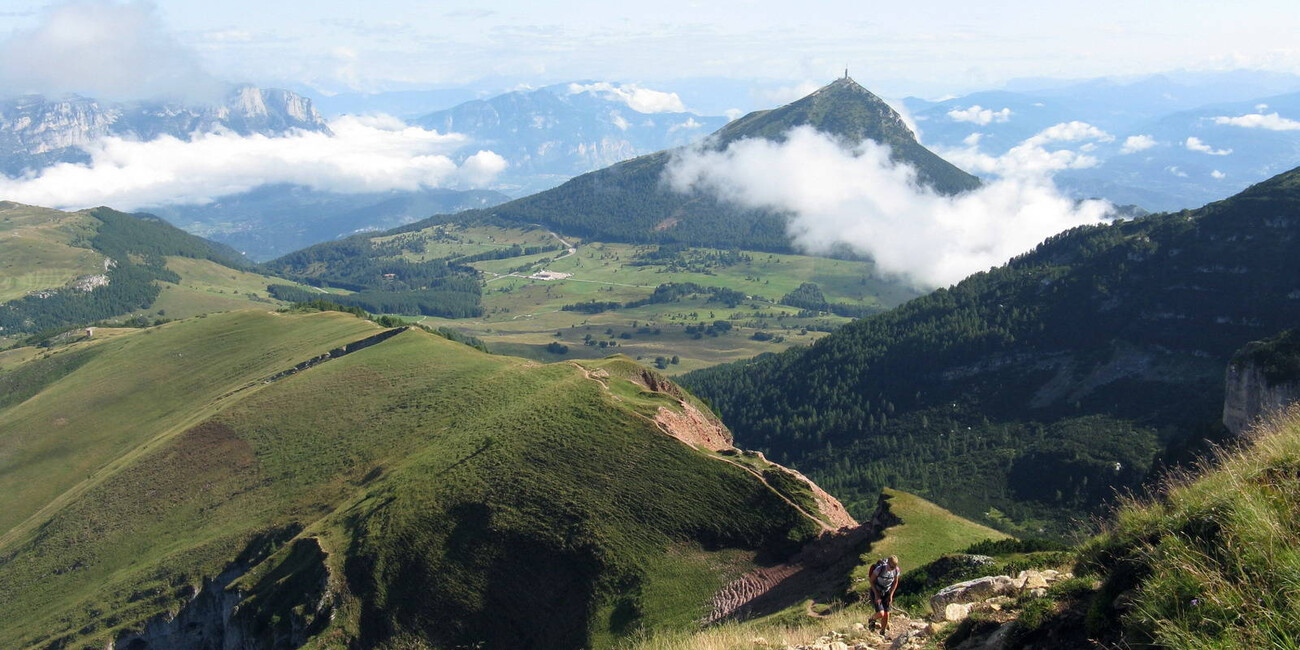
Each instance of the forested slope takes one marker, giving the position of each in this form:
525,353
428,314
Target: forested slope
1042,386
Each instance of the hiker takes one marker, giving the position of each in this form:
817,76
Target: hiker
884,581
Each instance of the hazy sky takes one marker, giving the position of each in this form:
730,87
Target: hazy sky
922,47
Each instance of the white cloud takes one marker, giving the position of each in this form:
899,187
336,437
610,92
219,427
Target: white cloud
1176,172
641,100
106,50
1216,174
862,198
733,113
1136,143
618,121
480,169
972,140
1195,144
979,115
690,123
1271,122
1032,157
364,154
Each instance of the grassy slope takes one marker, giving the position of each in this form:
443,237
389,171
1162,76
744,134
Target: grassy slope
208,287
136,387
1213,563
39,249
926,533
542,506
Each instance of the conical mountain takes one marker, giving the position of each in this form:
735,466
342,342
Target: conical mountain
629,201
852,113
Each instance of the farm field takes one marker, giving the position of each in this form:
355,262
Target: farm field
524,297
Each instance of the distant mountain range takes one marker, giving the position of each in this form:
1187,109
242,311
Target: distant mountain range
1150,160
36,132
552,134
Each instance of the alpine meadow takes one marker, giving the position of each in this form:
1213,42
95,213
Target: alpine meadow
689,326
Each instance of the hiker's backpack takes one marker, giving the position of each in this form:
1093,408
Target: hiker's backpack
881,565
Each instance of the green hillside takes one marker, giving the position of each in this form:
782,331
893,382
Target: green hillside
403,491
59,269
629,203
1212,564
1027,395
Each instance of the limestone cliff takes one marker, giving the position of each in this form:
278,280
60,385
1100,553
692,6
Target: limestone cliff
37,131
1262,377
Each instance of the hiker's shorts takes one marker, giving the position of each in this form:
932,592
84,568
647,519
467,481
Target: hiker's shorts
883,604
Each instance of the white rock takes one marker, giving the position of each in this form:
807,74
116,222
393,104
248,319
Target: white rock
839,645
1035,580
971,591
954,612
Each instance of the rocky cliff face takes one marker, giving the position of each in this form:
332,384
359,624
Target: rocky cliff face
36,131
1262,378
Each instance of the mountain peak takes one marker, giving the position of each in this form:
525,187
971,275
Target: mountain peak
848,111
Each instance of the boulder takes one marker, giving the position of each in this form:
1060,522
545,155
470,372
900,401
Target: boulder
839,645
971,591
954,612
1034,580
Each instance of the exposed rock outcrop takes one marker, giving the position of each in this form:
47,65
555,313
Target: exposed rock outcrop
36,131
1262,378
279,612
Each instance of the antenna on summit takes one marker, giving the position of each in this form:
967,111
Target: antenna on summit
846,72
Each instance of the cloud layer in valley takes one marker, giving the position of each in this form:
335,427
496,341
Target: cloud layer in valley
364,154
859,197
105,50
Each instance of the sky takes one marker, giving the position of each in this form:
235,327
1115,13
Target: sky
897,48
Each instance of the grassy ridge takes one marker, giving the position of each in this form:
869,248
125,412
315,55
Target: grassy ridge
39,249
455,496
135,388
926,532
1212,563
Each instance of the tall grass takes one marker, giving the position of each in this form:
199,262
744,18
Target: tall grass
1214,561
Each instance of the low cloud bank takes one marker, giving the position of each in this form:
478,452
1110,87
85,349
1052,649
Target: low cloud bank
859,197
364,154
